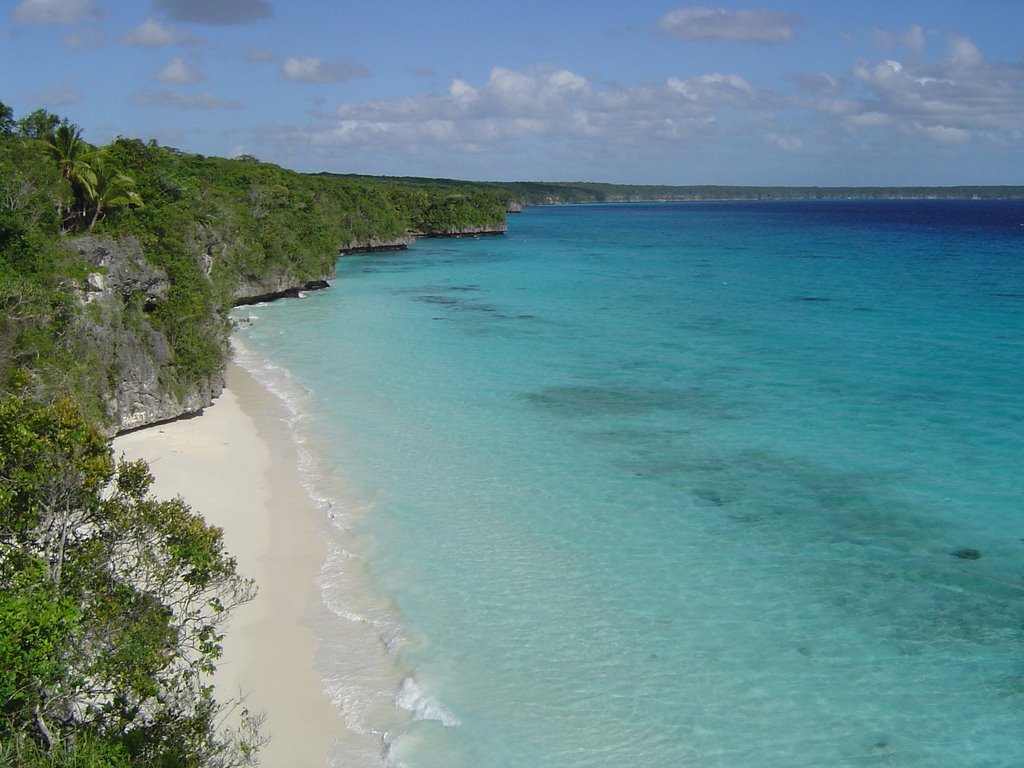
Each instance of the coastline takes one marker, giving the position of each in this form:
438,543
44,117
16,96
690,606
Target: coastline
237,465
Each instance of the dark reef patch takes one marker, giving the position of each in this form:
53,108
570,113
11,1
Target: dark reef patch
586,400
967,554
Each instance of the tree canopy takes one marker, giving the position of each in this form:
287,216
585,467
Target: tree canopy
112,604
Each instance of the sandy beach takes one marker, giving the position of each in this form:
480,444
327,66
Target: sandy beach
236,465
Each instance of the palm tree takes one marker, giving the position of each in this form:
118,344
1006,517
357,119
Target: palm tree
74,158
110,189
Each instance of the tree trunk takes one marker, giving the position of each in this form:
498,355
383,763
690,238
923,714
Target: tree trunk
95,215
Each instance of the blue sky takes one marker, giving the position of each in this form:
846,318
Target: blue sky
792,92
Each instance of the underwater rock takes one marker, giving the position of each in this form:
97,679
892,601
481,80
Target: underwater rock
967,554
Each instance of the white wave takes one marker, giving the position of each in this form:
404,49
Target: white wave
411,698
358,670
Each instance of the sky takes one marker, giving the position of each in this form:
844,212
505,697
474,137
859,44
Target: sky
770,92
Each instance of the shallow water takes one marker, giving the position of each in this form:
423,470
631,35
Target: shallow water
674,484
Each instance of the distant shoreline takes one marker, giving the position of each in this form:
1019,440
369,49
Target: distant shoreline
560,192
776,200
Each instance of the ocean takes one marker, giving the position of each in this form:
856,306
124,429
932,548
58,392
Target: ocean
723,485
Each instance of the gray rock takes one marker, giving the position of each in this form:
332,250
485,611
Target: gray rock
136,355
122,271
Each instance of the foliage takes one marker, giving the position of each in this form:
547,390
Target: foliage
111,602
39,124
30,185
219,229
87,752
74,158
223,229
37,308
107,188
96,185
6,120
555,193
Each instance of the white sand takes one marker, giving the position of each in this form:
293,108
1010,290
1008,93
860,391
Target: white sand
236,464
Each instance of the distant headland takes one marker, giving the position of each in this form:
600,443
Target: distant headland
520,193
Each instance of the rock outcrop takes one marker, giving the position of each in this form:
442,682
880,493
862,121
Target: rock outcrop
373,245
123,288
253,291
136,354
122,272
283,291
471,231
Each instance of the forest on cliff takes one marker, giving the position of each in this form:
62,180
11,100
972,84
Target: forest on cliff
584,192
127,257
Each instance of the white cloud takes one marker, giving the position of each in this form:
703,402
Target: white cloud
152,34
310,69
512,106
962,53
945,135
951,102
57,12
700,24
179,72
714,89
222,12
820,83
869,119
894,106
785,143
177,100
912,39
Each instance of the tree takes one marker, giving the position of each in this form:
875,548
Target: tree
96,185
6,120
75,160
111,602
109,188
65,145
30,186
39,124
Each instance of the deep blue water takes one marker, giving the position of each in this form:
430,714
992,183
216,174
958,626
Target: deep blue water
676,485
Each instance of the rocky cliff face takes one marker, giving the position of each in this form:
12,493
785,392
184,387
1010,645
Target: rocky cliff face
123,288
117,297
374,244
471,231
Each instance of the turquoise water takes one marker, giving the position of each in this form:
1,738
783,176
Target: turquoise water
674,485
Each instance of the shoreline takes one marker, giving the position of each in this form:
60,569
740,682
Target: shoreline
237,465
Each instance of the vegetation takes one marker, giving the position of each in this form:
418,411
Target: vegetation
553,193
219,229
111,605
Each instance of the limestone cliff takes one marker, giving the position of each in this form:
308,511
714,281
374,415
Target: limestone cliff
118,295
373,244
123,289
464,231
